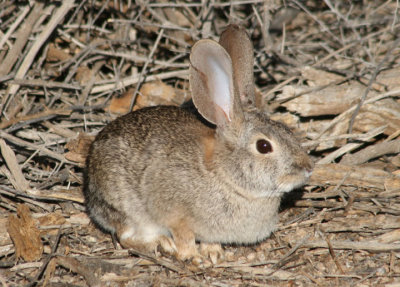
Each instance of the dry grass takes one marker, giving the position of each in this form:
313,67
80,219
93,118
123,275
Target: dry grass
329,69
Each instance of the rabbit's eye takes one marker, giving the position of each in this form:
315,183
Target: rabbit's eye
263,146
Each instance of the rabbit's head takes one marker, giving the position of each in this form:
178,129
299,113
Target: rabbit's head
251,151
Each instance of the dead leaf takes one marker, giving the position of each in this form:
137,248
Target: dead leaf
79,148
154,94
120,105
25,234
151,94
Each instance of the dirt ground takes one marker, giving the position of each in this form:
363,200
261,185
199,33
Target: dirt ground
328,69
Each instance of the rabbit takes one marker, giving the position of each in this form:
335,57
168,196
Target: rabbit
160,177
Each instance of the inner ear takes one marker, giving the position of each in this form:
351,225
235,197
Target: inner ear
221,84
211,82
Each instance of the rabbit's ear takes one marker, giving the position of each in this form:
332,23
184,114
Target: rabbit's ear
238,45
212,83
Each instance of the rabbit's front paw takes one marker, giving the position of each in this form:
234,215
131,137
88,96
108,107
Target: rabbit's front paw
167,245
184,239
187,252
213,251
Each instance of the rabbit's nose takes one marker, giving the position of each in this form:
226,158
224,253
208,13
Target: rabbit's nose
310,165
305,162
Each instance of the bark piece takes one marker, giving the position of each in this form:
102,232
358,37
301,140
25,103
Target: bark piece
362,177
20,183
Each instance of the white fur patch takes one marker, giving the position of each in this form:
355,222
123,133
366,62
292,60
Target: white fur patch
148,233
151,232
129,233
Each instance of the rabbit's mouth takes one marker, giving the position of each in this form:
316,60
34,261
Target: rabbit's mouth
292,181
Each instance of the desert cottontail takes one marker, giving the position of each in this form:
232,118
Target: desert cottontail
159,176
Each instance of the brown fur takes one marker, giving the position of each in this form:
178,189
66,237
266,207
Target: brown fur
184,239
209,146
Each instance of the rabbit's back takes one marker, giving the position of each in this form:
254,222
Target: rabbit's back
129,150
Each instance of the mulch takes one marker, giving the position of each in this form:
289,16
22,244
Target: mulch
328,69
